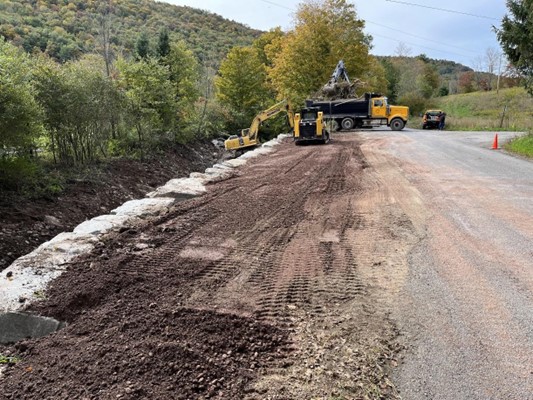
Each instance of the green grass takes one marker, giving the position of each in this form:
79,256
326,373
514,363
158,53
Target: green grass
482,111
522,145
8,359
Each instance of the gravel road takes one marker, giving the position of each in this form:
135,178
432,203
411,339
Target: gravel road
466,309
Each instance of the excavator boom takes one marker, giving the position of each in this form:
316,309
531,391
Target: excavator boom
339,85
250,137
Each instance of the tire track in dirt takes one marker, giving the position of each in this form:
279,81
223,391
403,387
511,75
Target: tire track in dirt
306,240
300,266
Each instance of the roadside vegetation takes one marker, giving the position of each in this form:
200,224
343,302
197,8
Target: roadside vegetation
506,110
522,145
62,116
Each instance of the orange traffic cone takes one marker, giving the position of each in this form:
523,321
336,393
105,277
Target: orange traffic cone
495,143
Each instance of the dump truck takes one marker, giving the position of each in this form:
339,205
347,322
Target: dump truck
369,111
309,126
249,137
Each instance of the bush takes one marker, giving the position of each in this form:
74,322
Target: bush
416,102
27,176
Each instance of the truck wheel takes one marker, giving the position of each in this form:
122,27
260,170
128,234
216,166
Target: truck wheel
347,123
397,124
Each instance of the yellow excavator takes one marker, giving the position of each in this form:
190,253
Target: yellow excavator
249,137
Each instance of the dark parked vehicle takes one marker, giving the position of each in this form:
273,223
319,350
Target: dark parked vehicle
431,119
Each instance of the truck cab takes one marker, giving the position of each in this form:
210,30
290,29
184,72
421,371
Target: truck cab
396,116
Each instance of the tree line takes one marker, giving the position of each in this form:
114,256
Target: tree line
295,64
79,112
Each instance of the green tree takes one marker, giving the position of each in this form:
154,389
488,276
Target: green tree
81,105
184,76
241,84
416,102
429,80
516,38
142,46
267,45
411,69
443,91
51,93
151,101
392,74
20,115
325,32
163,45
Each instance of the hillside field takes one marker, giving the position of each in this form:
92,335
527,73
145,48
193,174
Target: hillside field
510,110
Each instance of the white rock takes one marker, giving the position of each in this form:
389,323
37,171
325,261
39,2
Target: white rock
26,282
180,189
31,273
256,153
102,224
144,207
92,227
115,220
214,175
66,242
221,166
51,220
213,171
202,177
237,162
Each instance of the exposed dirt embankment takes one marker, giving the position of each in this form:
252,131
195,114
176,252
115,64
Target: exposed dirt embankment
27,223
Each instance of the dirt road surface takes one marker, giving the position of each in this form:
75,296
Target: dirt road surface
467,305
381,265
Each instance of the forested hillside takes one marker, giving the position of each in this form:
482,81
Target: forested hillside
448,71
65,29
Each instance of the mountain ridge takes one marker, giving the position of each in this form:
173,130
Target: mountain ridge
67,29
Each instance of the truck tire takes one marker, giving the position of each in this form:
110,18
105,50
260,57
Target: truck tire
397,124
347,123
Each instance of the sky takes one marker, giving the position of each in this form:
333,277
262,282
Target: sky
422,26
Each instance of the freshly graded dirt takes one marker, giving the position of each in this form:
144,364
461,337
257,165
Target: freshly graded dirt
274,285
